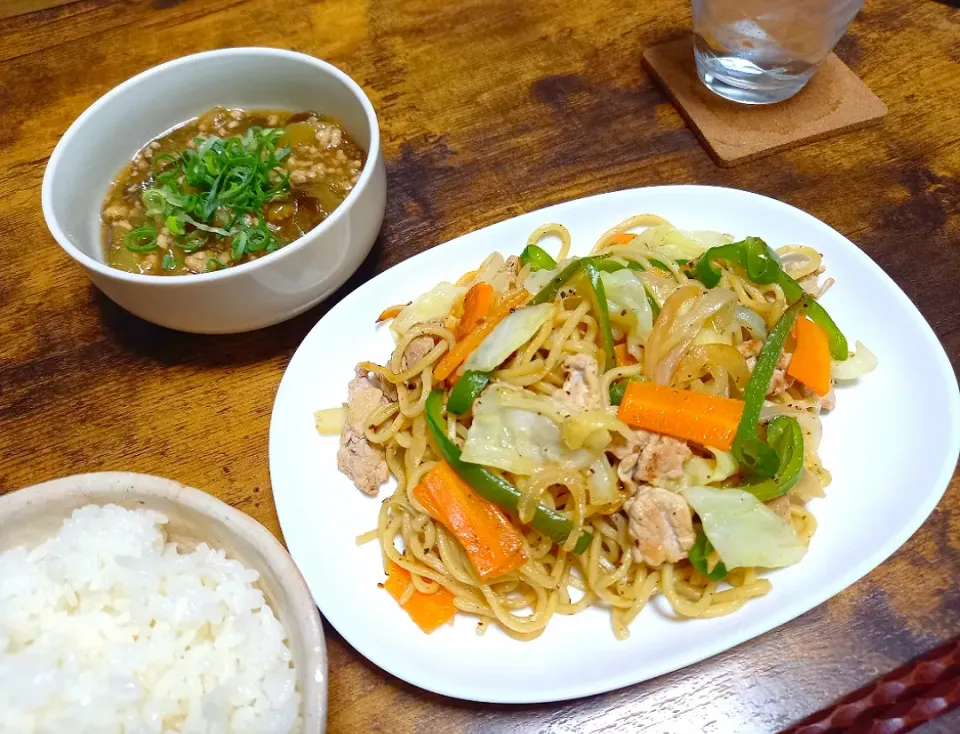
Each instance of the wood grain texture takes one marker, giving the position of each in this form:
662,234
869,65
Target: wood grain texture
10,8
488,108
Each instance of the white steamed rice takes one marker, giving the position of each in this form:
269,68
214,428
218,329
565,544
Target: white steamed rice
107,628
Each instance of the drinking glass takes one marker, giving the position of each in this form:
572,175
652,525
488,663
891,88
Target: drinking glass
764,51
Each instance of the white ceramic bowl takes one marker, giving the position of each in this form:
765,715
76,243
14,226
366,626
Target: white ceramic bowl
252,295
29,516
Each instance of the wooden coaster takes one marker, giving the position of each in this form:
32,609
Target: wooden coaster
834,101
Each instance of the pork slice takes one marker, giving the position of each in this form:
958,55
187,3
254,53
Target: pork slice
647,458
661,525
781,381
416,350
581,389
358,458
781,506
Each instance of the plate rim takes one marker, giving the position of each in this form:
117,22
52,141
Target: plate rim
788,612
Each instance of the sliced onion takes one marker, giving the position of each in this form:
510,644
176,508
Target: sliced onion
588,428
808,487
330,422
752,322
660,286
489,268
722,362
602,482
857,365
799,260
681,318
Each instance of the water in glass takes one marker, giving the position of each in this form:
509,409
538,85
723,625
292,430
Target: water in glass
763,51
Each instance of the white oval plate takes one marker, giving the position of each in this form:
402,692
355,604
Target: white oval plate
891,445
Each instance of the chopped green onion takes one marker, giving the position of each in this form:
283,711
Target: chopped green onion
159,162
192,241
154,202
141,239
175,225
221,180
258,238
169,262
206,228
239,246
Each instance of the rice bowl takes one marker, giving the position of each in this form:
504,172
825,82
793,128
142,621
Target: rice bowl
147,617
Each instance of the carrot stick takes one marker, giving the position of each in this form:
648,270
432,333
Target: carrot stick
476,305
429,611
623,238
624,358
462,349
392,312
710,420
811,359
492,543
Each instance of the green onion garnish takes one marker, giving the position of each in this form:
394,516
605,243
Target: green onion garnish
175,225
169,261
212,193
191,242
154,201
141,239
239,245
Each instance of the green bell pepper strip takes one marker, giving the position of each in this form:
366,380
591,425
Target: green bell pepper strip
698,558
752,254
488,485
470,384
750,450
593,291
612,266
763,266
551,289
618,388
818,314
537,258
786,438
598,299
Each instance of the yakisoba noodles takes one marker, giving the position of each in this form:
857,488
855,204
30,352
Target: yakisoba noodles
567,433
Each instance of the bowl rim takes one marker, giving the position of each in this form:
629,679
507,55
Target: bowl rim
90,263
306,616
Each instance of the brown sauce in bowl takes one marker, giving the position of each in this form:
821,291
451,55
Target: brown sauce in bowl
226,188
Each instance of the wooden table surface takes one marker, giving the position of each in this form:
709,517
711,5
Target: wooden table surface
488,108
